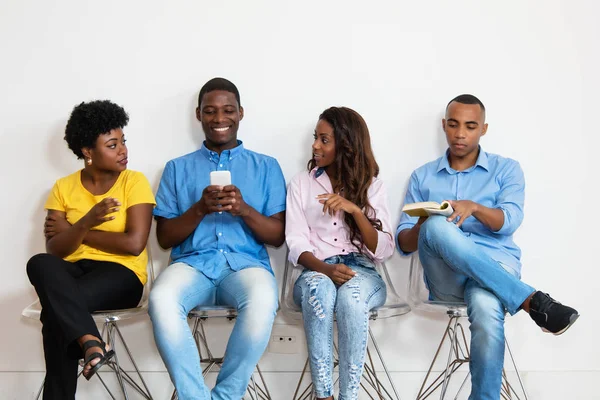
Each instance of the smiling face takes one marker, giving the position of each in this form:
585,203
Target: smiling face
220,115
323,147
109,152
464,125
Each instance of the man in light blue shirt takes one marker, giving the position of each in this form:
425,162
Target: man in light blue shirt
218,236
471,256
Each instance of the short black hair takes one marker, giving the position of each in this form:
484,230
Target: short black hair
90,120
466,99
219,84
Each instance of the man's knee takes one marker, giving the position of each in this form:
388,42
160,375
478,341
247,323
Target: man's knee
162,301
260,290
435,227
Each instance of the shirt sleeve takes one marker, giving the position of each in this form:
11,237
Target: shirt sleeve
139,191
385,241
166,197
274,189
511,198
413,195
55,200
297,233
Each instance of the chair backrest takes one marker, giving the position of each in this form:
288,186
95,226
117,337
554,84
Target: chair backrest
394,305
150,281
418,294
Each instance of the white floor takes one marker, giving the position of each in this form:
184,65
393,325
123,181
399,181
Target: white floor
540,385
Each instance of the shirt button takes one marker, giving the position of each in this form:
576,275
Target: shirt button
335,239
224,252
220,233
221,250
343,250
220,212
335,223
220,165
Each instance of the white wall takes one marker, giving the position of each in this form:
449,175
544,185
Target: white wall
534,64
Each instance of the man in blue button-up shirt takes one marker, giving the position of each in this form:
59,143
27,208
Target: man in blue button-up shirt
471,256
218,236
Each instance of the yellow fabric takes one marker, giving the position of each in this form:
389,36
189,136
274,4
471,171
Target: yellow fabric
131,188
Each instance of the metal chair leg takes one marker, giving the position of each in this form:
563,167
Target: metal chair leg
459,355
38,396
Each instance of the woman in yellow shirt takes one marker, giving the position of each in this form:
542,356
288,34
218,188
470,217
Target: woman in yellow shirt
96,231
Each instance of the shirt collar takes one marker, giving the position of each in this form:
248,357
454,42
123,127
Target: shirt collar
482,161
213,155
318,172
322,178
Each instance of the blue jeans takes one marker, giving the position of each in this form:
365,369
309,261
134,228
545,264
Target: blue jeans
179,289
320,298
457,269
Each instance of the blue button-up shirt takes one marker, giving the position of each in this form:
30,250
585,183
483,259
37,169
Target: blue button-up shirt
494,181
221,239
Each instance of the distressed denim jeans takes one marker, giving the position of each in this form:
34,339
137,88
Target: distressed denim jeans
320,299
179,289
457,269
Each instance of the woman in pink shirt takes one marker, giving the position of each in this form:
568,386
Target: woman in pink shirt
337,227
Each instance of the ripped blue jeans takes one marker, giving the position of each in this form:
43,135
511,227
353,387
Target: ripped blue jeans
320,298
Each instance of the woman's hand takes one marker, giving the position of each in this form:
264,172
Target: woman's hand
100,212
340,273
54,225
332,203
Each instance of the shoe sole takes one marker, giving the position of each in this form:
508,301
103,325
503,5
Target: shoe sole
571,322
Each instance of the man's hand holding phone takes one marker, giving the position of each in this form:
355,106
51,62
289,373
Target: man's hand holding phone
221,196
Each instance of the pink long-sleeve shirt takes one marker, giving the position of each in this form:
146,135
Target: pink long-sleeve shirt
307,229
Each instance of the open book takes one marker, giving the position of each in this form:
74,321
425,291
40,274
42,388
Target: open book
427,208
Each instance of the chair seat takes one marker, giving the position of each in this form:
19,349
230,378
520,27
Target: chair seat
418,294
34,311
445,307
213,312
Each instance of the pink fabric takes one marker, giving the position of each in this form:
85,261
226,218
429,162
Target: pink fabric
307,229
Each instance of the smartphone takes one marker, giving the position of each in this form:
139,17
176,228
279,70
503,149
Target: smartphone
220,178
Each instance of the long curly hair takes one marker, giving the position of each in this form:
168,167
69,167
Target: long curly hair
355,165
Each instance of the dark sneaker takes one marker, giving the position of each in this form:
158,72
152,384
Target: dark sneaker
550,315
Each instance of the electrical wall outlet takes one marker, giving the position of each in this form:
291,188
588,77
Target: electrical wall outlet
283,344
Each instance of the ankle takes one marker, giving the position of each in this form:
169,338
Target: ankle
86,338
526,304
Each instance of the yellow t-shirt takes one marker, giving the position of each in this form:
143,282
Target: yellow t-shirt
131,188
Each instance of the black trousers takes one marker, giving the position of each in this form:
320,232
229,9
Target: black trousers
69,292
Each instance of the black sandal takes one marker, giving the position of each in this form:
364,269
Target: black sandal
104,356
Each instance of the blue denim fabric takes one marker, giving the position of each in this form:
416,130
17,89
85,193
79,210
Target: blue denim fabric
179,289
221,239
320,298
457,269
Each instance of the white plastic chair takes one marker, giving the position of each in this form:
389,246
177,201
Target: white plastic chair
455,335
111,334
394,306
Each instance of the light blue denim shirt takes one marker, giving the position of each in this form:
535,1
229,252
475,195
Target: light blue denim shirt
494,181
221,239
